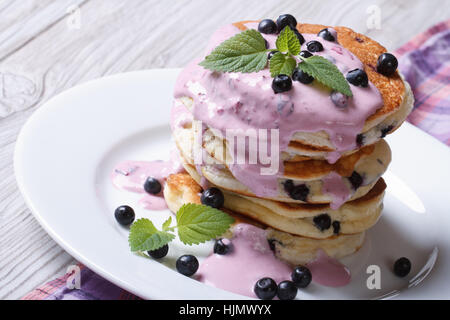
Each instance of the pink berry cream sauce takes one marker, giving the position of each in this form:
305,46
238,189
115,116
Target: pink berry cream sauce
246,101
252,259
131,176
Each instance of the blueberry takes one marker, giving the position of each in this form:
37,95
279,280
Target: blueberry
299,36
340,100
271,53
305,54
301,276
124,215
287,290
402,267
159,253
303,77
326,34
223,246
281,83
386,130
265,288
187,265
299,192
272,244
152,186
358,77
314,46
356,180
286,20
288,185
336,227
387,64
213,197
267,26
322,221
360,140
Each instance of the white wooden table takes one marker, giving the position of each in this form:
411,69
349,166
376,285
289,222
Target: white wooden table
47,46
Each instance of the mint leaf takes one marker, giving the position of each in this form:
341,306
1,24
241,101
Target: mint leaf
325,72
145,237
281,64
199,223
245,52
166,224
288,42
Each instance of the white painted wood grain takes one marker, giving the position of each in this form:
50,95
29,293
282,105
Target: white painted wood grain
42,54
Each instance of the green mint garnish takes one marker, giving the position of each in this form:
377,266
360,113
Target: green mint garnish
282,64
199,223
245,52
145,237
288,42
195,223
326,73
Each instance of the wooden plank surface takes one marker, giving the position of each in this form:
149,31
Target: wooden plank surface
45,49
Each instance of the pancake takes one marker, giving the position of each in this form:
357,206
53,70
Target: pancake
299,250
181,188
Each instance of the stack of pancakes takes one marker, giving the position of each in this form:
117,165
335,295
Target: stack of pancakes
301,217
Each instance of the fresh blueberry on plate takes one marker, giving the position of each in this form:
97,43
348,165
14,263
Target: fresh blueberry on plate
159,253
124,215
187,265
402,267
152,186
287,290
265,288
301,276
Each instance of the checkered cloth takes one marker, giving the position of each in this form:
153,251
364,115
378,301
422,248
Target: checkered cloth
425,63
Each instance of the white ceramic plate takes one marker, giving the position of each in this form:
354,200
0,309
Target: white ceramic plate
66,151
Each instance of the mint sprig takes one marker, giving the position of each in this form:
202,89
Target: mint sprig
326,73
281,64
246,52
288,42
144,236
195,223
